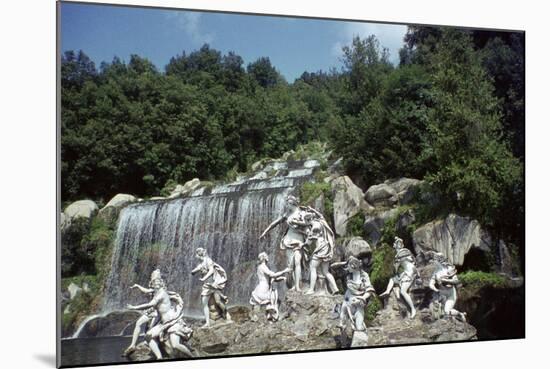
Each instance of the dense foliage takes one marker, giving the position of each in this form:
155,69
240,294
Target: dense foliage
452,113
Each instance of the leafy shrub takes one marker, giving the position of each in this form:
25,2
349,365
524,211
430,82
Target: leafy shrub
381,266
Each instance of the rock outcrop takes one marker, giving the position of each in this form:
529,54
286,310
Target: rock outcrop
311,323
405,188
80,209
390,327
185,189
110,211
348,202
381,195
453,236
356,247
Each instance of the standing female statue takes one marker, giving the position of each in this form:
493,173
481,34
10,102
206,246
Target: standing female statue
215,278
405,275
265,293
293,241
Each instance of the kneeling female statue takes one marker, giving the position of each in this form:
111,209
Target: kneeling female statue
265,294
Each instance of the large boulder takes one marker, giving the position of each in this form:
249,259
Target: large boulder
405,188
382,195
453,236
186,189
80,209
110,211
356,247
348,202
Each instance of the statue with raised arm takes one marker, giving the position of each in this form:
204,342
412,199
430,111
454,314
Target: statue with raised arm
359,290
297,219
166,325
214,278
406,273
265,294
321,238
445,281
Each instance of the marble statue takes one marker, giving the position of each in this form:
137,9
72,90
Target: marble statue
406,273
444,281
321,238
166,325
359,290
265,294
293,241
214,278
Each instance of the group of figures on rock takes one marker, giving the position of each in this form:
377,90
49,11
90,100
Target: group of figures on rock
308,240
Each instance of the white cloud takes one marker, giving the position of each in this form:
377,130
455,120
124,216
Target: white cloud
190,23
390,36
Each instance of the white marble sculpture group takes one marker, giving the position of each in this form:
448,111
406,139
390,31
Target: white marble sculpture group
308,238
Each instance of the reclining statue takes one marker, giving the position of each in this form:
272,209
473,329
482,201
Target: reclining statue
166,325
265,294
406,274
214,278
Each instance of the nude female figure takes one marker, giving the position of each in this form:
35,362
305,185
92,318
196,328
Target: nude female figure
294,238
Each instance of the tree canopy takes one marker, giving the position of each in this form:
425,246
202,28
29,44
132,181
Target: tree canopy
451,112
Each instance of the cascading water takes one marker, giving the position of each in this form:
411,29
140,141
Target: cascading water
226,221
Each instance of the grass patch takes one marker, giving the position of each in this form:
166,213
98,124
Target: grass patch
482,279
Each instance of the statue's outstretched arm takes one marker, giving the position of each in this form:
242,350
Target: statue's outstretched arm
148,305
273,274
197,268
271,226
143,289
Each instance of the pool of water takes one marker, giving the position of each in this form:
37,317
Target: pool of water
90,351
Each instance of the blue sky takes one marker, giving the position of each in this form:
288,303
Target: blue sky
293,45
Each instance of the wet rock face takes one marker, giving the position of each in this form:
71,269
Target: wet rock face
453,236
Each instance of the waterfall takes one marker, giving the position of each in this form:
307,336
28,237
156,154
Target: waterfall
225,220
